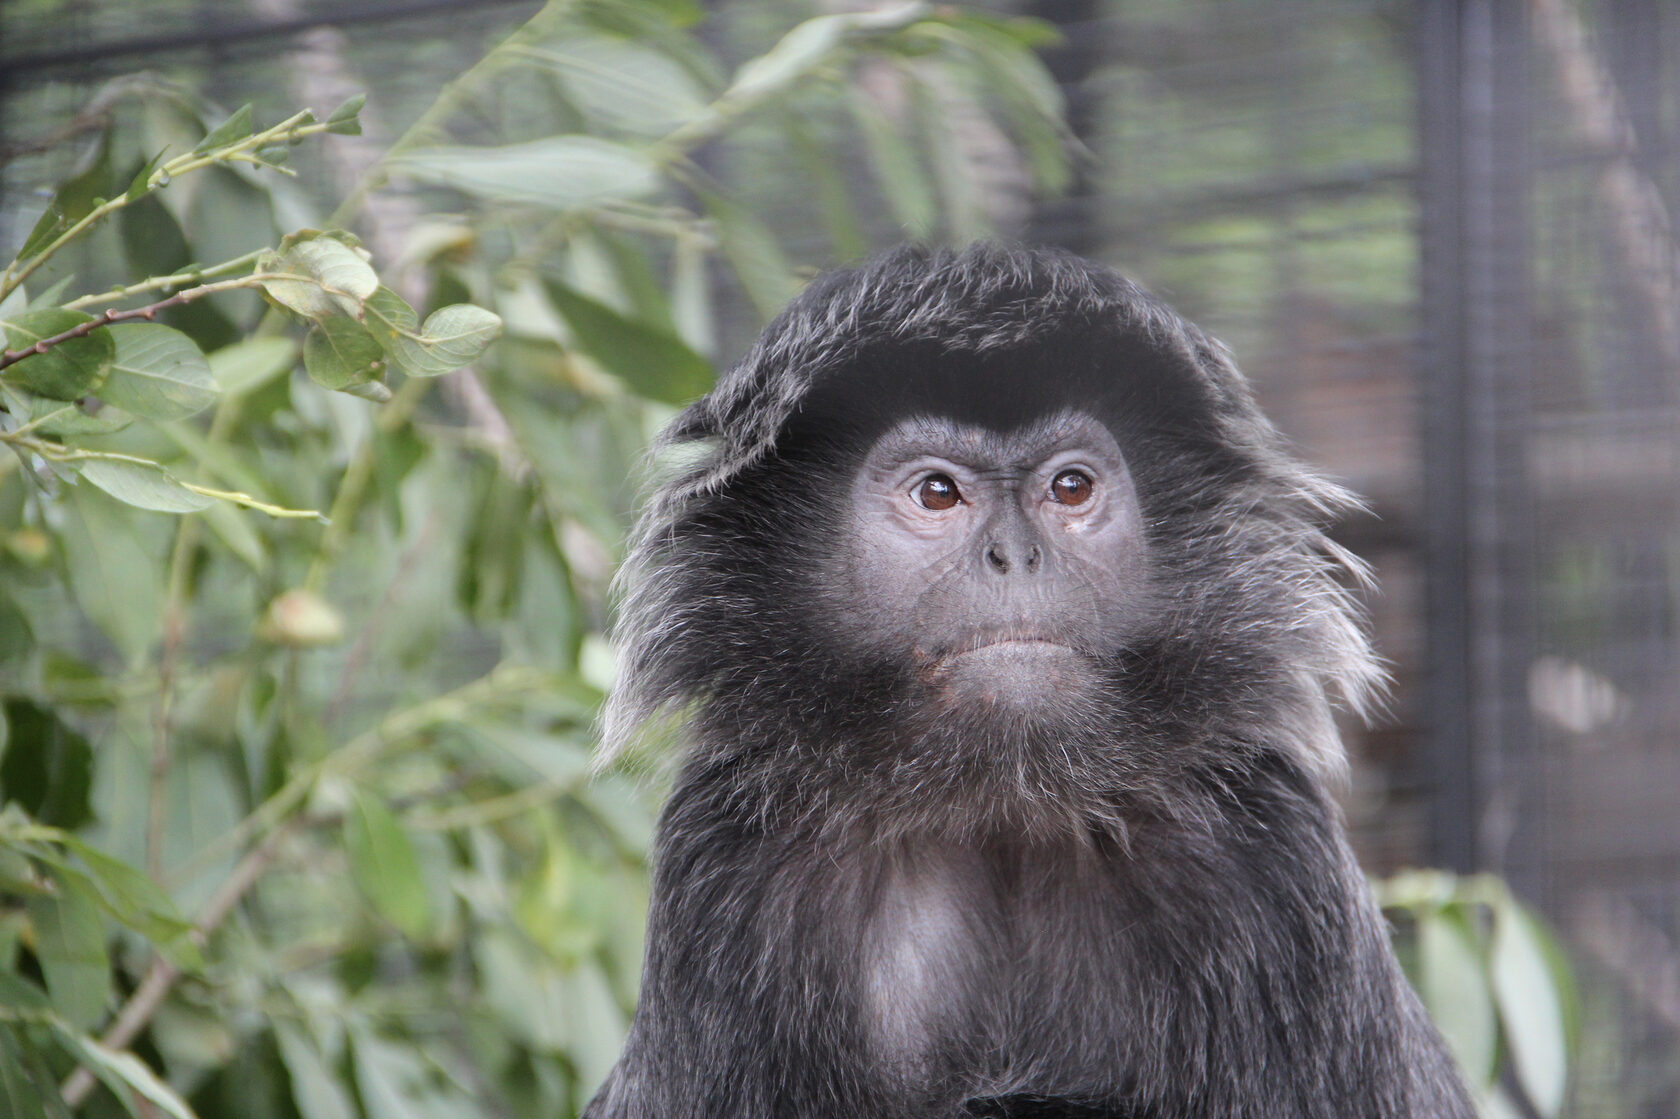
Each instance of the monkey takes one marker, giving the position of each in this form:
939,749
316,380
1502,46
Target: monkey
1003,632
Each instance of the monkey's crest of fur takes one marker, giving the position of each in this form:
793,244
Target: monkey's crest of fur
1245,559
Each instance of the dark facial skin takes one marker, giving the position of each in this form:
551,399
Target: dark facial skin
1001,563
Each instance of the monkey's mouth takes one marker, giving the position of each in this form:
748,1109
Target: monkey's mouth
1005,641
1001,646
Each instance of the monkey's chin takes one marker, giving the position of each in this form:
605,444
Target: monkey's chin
1019,674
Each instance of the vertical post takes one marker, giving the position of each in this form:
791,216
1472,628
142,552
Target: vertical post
1476,338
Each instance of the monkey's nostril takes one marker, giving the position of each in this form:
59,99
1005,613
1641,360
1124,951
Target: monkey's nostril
995,556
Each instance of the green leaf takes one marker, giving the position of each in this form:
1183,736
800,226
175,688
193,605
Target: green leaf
140,185
315,1087
376,391
63,417
53,295
758,259
127,1076
50,224
70,944
230,131
46,766
654,362
1529,1008
75,198
451,337
130,895
1454,986
68,370
246,366
158,373
345,120
340,352
28,1088
624,83
792,58
807,47
903,178
231,526
144,485
113,572
559,173
384,864
339,276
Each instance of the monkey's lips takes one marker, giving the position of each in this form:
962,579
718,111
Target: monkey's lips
1006,667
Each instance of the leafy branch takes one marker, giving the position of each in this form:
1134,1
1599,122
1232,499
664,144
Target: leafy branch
231,142
149,312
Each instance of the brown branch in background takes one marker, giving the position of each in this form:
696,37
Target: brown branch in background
1639,222
149,311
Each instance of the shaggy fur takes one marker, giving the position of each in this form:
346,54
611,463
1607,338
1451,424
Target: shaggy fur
1136,902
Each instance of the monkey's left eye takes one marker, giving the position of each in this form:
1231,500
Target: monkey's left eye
1072,487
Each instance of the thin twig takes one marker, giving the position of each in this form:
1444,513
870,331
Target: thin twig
148,312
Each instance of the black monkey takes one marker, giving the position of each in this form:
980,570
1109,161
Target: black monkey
1002,625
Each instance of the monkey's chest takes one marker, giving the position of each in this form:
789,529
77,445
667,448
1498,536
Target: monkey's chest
967,973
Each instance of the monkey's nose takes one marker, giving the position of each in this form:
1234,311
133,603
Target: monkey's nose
1003,557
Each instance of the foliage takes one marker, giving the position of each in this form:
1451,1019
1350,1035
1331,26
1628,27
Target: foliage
1495,982
299,640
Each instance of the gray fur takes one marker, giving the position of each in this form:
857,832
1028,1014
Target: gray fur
1135,900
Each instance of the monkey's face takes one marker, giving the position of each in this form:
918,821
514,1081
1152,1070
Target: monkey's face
1002,565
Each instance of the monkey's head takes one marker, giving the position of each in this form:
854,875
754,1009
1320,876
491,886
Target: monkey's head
986,540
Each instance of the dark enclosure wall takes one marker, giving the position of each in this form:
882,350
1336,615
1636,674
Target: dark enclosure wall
1439,237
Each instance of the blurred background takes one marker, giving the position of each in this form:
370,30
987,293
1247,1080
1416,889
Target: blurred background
1437,236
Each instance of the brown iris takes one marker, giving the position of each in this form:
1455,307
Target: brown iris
1072,487
937,492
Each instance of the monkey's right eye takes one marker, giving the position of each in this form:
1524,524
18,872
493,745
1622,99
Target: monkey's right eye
937,492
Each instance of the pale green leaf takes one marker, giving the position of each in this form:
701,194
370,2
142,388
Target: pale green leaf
1529,1008
144,485
1454,986
450,338
234,529
124,1073
315,1087
758,259
113,571
895,160
625,84
130,895
560,172
249,365
339,277
158,373
808,47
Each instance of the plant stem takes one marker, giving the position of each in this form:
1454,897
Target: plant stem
294,127
358,475
159,283
148,312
